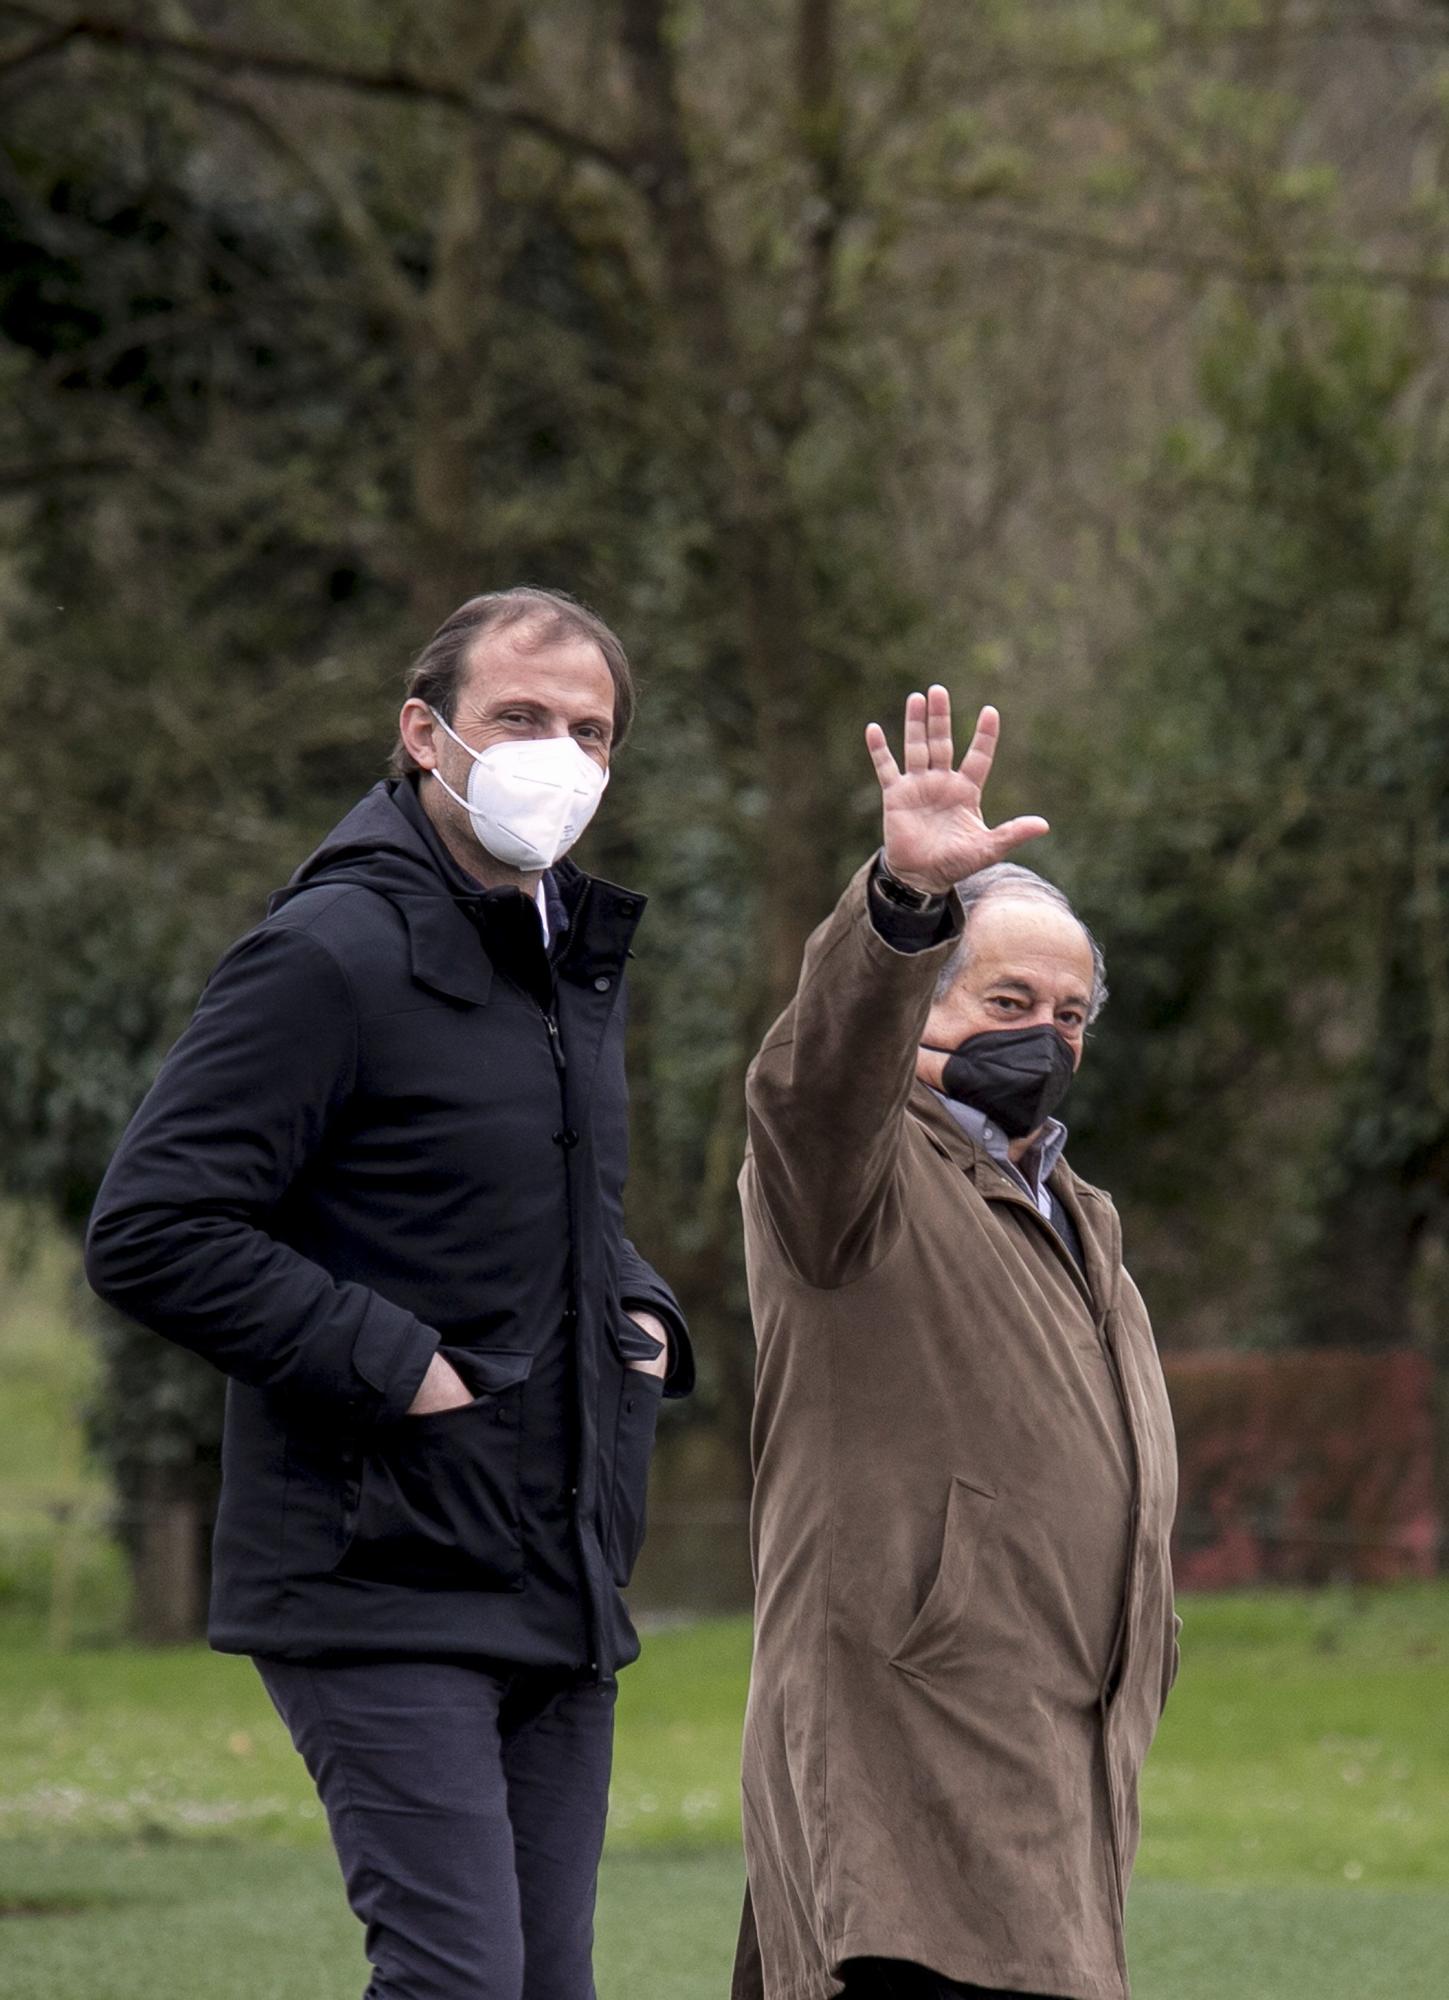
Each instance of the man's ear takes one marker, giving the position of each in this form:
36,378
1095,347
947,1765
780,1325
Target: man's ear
418,729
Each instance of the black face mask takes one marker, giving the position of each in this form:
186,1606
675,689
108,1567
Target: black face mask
1017,1076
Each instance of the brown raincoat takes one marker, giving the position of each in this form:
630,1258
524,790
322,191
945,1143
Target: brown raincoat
965,1480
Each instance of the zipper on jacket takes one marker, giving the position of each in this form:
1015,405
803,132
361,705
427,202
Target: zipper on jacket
567,1138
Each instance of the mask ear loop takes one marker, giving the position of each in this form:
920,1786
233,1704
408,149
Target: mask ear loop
443,723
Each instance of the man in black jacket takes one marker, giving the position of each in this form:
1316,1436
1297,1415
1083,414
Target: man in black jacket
379,1183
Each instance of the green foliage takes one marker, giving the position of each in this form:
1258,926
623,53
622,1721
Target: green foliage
94,984
288,371
101,966
1275,861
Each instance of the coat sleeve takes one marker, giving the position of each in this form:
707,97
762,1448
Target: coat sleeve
826,1095
184,1235
641,1285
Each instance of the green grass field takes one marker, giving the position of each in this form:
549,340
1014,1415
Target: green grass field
158,1837
159,1840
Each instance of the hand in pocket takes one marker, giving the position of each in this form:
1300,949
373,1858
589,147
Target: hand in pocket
656,1364
442,1388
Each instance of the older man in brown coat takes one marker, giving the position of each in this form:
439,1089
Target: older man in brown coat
965,1474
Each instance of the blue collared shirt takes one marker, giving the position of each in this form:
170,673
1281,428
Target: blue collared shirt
1032,1172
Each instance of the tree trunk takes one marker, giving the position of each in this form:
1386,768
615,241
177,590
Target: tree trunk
168,1605
766,559
449,340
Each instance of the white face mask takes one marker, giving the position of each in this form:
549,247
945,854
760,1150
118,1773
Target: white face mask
529,801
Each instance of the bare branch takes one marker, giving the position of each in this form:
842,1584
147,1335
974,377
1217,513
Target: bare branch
1027,233
26,476
391,288
47,44
472,102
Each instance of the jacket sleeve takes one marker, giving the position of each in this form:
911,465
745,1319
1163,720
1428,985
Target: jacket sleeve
641,1285
184,1234
826,1095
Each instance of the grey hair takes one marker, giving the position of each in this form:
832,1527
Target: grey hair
1008,878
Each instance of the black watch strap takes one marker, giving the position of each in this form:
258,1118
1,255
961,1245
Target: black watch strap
921,901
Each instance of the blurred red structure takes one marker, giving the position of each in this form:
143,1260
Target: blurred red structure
1308,1467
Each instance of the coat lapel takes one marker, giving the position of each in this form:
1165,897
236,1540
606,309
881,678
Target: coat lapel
446,952
1100,1234
993,1184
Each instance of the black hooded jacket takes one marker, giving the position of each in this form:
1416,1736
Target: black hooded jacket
395,1121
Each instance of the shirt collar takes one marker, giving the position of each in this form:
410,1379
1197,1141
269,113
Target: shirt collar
552,910
1034,1169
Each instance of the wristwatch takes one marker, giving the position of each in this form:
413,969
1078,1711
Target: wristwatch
921,901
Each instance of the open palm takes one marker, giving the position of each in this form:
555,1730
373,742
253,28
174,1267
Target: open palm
934,834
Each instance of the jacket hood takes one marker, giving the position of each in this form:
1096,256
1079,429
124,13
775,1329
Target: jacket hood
386,844
377,847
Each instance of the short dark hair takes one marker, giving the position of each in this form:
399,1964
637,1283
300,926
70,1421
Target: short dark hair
545,617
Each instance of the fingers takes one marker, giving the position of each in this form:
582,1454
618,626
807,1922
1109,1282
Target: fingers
938,728
927,731
886,768
976,764
976,769
927,740
917,751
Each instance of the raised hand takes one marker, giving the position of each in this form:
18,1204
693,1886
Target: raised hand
934,833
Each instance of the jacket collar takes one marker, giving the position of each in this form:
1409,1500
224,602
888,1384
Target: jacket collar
442,918
1090,1209
388,844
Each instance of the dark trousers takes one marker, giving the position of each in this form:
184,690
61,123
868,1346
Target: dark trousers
467,1809
895,1979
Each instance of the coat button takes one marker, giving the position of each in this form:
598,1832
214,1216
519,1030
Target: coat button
568,1137
602,983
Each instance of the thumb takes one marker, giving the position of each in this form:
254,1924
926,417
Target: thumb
1014,833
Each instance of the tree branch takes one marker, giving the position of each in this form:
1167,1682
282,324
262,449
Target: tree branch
1025,233
231,58
391,287
821,119
21,477
48,44
665,173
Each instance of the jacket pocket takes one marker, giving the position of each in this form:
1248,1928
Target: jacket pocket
436,1504
934,1642
625,1502
1172,1659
